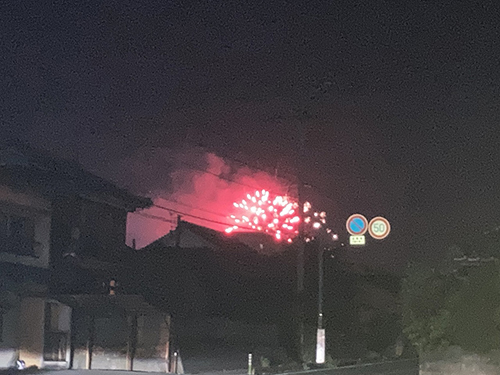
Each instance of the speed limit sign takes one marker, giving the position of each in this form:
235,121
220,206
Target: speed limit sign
379,228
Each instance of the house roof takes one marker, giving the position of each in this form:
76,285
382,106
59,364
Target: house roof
256,242
231,253
215,237
56,176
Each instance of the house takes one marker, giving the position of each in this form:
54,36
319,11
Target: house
228,298
25,222
62,256
219,262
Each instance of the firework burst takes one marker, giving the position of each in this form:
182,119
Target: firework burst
278,216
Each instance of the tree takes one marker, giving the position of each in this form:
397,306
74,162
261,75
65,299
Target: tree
426,319
461,307
475,310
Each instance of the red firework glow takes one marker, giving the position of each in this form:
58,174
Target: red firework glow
215,195
277,216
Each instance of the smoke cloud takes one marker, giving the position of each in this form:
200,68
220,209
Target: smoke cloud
199,187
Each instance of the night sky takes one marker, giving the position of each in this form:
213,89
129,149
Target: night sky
398,103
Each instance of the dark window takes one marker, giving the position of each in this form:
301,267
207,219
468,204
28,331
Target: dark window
4,228
17,234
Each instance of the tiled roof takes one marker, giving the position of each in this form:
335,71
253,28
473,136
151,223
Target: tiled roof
59,176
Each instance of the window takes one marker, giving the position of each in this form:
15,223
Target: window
17,234
57,327
4,227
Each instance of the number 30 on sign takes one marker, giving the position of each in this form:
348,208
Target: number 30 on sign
379,228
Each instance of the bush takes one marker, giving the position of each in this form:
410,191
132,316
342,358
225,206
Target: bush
441,309
475,311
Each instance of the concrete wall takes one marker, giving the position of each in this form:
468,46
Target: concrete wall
24,333
110,343
31,331
454,361
153,336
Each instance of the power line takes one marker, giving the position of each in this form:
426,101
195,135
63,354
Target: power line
149,216
190,215
154,217
194,208
177,212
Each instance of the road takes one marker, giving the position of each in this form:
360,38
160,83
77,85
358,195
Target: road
403,367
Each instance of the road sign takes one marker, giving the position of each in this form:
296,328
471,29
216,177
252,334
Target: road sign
379,228
357,240
357,225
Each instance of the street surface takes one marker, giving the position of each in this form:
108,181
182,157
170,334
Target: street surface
403,367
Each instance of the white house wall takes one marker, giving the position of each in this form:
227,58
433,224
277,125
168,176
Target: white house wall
31,331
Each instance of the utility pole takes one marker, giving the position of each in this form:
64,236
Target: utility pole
320,333
300,288
301,244
320,338
302,117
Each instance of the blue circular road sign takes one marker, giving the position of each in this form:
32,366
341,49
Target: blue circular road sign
357,225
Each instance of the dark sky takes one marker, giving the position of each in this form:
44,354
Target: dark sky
399,102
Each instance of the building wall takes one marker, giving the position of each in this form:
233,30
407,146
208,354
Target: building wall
105,226
9,341
39,209
65,216
153,336
102,227
22,334
111,338
31,331
57,333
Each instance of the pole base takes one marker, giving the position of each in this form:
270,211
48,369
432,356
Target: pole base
320,346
